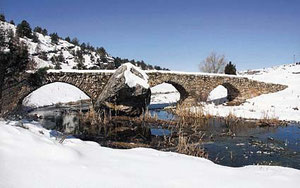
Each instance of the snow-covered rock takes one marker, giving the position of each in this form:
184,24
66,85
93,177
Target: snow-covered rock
126,93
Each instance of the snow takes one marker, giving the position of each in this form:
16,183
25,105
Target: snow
64,47
192,73
80,71
132,80
33,157
284,105
219,92
164,94
54,93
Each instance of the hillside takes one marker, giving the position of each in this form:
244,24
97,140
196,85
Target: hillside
66,55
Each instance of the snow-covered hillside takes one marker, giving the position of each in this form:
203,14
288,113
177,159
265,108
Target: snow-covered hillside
284,105
64,48
32,157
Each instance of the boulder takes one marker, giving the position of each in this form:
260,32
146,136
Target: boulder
126,93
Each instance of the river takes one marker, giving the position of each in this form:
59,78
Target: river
236,146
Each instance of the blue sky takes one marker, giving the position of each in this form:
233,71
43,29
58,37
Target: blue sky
174,34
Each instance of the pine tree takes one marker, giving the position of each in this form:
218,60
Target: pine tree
79,60
43,56
101,52
45,32
75,41
54,38
12,22
24,29
83,46
35,38
2,18
14,61
68,39
38,29
61,57
230,69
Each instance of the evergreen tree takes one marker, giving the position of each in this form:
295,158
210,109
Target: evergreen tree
45,32
230,69
61,57
35,38
68,39
56,62
43,56
83,46
12,22
101,52
157,67
38,29
79,60
118,62
54,38
75,41
24,29
13,61
2,18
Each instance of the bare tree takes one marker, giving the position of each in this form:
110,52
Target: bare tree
213,63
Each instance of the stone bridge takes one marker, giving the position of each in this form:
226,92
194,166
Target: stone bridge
193,87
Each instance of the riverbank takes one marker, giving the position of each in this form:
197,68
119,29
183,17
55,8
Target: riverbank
82,163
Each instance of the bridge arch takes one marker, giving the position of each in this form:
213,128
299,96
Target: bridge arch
179,87
231,94
52,93
232,91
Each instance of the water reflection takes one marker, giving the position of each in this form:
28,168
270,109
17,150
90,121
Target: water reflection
237,145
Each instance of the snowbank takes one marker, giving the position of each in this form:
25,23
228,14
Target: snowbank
33,158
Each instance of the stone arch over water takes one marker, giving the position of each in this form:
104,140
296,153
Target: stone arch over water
53,93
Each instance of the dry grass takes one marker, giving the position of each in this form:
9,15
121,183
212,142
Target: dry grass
92,122
194,149
190,111
269,120
231,119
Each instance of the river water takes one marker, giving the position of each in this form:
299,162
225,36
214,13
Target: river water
235,146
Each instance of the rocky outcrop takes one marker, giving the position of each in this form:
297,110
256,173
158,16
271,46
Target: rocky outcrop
126,93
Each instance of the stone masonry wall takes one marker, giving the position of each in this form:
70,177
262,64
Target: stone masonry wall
192,88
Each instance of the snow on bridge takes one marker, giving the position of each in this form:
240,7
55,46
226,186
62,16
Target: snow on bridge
193,87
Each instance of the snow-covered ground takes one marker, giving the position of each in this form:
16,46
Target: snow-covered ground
164,94
284,105
54,93
32,157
